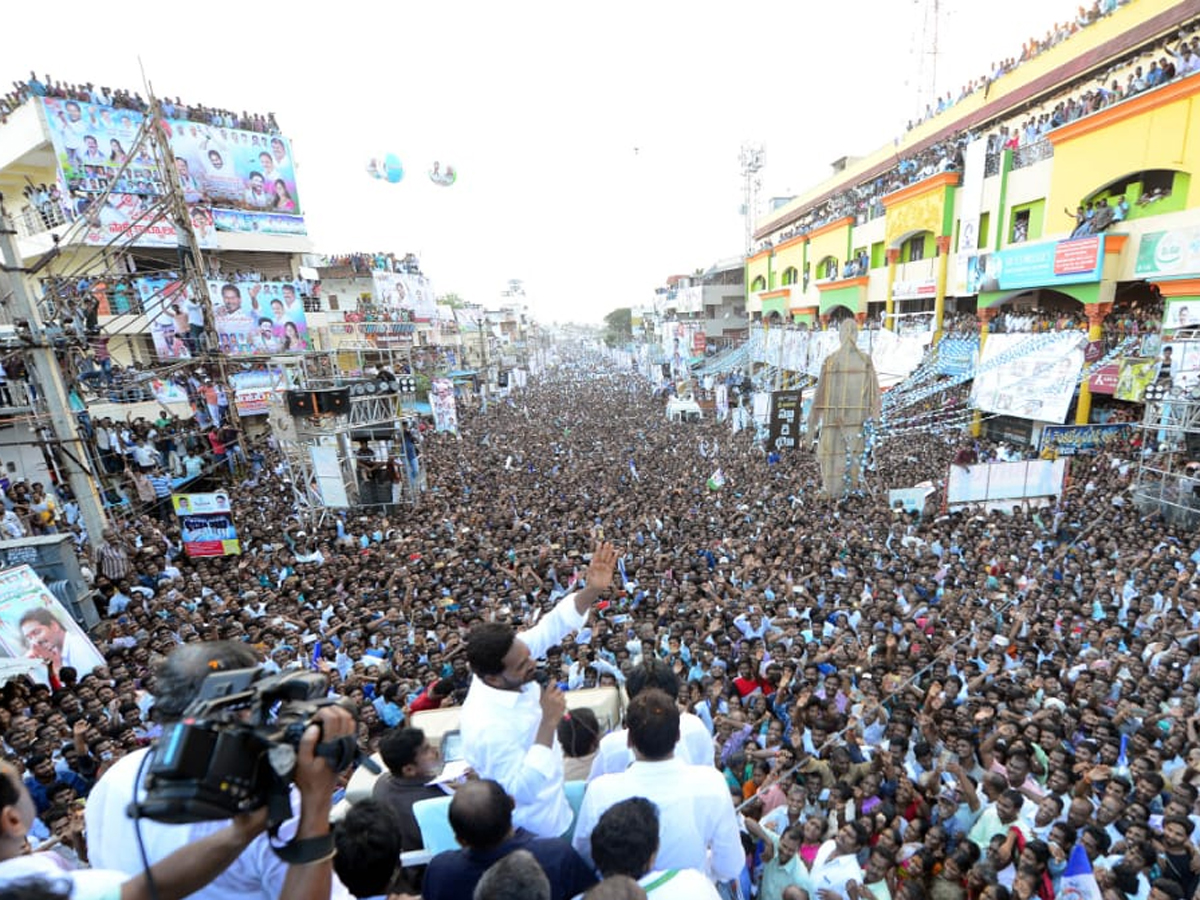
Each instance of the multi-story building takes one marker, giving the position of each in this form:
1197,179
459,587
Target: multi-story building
973,213
89,183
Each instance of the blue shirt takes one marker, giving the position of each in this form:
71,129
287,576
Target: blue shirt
453,875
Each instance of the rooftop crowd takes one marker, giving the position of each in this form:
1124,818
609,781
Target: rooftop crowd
1143,71
119,98
900,705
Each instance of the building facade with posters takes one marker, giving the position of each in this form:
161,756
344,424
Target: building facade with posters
105,183
966,226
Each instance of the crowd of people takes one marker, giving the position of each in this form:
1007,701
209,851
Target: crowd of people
366,263
1031,49
830,697
1142,72
119,98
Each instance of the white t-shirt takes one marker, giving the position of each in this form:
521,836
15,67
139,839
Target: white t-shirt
86,884
257,874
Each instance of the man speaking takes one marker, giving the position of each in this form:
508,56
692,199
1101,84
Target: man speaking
509,721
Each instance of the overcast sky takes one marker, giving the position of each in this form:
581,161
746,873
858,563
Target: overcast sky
596,144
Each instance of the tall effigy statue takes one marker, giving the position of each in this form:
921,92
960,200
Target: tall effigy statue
847,395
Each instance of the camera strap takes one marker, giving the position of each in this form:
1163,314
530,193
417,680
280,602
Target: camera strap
300,851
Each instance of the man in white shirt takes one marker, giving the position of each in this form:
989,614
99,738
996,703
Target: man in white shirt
509,723
697,824
258,873
695,745
625,842
836,863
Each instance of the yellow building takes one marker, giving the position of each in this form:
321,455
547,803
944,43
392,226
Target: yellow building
971,214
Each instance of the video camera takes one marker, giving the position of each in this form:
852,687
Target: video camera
234,749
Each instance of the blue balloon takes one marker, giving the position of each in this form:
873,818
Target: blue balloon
392,168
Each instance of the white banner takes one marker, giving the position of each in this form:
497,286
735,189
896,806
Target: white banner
328,472
1006,481
1035,385
970,205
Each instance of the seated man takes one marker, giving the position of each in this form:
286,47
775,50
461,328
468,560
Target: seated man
625,842
481,815
412,762
696,813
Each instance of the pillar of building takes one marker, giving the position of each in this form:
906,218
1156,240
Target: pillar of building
939,303
985,317
1096,313
889,308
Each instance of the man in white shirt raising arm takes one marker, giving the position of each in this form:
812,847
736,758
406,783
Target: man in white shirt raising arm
509,722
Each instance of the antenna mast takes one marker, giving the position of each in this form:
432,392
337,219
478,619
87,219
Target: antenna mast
751,158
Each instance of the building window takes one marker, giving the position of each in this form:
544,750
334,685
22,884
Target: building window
915,248
1020,227
790,275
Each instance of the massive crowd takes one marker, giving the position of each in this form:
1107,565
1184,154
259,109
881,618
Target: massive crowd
941,705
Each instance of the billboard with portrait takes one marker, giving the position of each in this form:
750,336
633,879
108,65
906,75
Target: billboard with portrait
257,317
234,180
398,292
206,521
443,404
162,299
34,626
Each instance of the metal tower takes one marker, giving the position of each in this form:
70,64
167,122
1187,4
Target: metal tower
752,158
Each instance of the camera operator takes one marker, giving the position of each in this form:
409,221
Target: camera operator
257,873
177,875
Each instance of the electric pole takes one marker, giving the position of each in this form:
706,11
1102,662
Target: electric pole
51,390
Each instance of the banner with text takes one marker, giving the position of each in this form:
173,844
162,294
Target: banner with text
1174,252
785,420
1072,440
1038,384
1036,265
206,521
233,180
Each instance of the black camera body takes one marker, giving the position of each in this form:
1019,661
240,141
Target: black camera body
234,749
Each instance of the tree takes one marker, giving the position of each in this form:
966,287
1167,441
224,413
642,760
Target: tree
618,326
451,300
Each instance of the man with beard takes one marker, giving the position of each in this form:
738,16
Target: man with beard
509,722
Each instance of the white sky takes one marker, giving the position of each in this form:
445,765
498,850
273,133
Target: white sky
540,106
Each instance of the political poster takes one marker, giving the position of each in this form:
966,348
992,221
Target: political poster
784,433
1074,440
257,317
1029,376
164,303
206,521
402,295
252,391
35,627
442,402
1001,482
1134,375
1182,314
242,180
